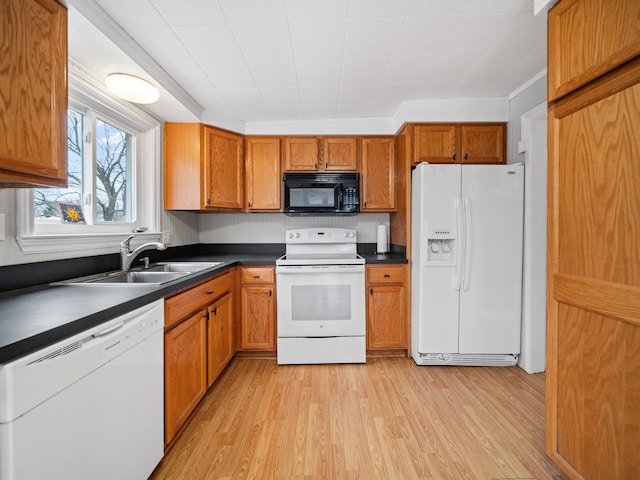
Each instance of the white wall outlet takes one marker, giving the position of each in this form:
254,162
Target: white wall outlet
166,237
1,226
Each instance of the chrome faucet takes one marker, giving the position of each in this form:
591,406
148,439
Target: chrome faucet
127,255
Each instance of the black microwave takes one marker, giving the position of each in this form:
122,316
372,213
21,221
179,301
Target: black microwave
321,193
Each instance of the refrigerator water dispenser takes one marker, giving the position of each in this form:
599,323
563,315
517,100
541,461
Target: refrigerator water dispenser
441,245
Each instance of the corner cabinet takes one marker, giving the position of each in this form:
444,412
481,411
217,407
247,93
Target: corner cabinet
263,181
199,342
33,93
386,308
453,143
378,192
204,168
257,309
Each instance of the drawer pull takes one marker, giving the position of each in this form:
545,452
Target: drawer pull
386,275
211,292
256,276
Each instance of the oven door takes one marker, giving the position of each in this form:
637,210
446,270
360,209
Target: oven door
321,300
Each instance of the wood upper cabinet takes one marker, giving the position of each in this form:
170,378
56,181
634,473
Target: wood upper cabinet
258,308
378,164
203,168
435,144
263,178
223,169
588,38
386,307
454,143
311,154
33,93
339,154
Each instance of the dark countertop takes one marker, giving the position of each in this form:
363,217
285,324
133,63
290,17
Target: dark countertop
35,317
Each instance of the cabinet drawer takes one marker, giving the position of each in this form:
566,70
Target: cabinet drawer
257,275
177,307
385,274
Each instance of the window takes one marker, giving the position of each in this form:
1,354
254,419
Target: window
108,180
113,169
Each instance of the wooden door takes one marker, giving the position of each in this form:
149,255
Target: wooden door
339,154
220,338
185,366
223,169
301,154
378,174
593,344
33,93
482,143
264,182
258,318
435,144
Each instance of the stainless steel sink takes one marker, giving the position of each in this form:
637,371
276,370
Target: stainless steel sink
155,274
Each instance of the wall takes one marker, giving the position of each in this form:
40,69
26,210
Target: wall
522,102
271,227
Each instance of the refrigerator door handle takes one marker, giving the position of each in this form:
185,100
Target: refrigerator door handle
467,243
458,276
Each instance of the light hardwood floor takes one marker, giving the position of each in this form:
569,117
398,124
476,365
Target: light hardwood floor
388,419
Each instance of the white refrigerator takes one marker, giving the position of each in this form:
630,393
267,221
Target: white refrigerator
466,264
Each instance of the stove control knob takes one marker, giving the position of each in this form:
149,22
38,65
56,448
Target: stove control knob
291,235
297,235
346,234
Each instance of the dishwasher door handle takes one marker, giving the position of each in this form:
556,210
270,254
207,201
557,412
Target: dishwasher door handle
109,330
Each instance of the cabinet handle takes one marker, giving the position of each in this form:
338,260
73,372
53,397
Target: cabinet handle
249,204
386,275
211,292
315,166
465,156
269,292
215,311
326,166
256,276
371,291
454,157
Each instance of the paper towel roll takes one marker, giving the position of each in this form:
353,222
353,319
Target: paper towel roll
381,244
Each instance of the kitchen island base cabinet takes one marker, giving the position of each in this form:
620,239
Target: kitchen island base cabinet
386,309
258,309
199,343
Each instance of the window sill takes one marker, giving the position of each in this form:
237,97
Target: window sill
87,241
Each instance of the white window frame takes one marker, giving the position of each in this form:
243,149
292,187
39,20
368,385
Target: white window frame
85,92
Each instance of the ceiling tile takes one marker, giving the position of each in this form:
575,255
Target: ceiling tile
356,94
318,96
432,90
378,8
254,114
279,98
279,114
449,68
406,69
243,99
319,113
314,9
199,12
453,7
424,35
371,35
477,33
240,11
353,111
383,109
394,92
356,71
140,13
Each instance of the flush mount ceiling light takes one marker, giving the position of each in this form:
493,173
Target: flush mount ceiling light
132,88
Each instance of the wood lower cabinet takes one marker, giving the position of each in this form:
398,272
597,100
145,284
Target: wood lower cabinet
203,168
386,308
185,370
263,179
258,309
455,143
199,342
33,93
378,164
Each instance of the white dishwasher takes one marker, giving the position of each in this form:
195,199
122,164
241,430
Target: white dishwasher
91,406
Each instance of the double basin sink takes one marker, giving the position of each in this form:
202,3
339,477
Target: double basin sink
154,274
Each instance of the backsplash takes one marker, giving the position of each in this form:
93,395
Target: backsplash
272,227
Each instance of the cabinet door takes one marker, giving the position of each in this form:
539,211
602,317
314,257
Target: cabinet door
589,38
263,174
301,154
185,367
593,282
483,143
339,154
33,93
435,144
378,174
258,318
223,169
386,327
220,338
